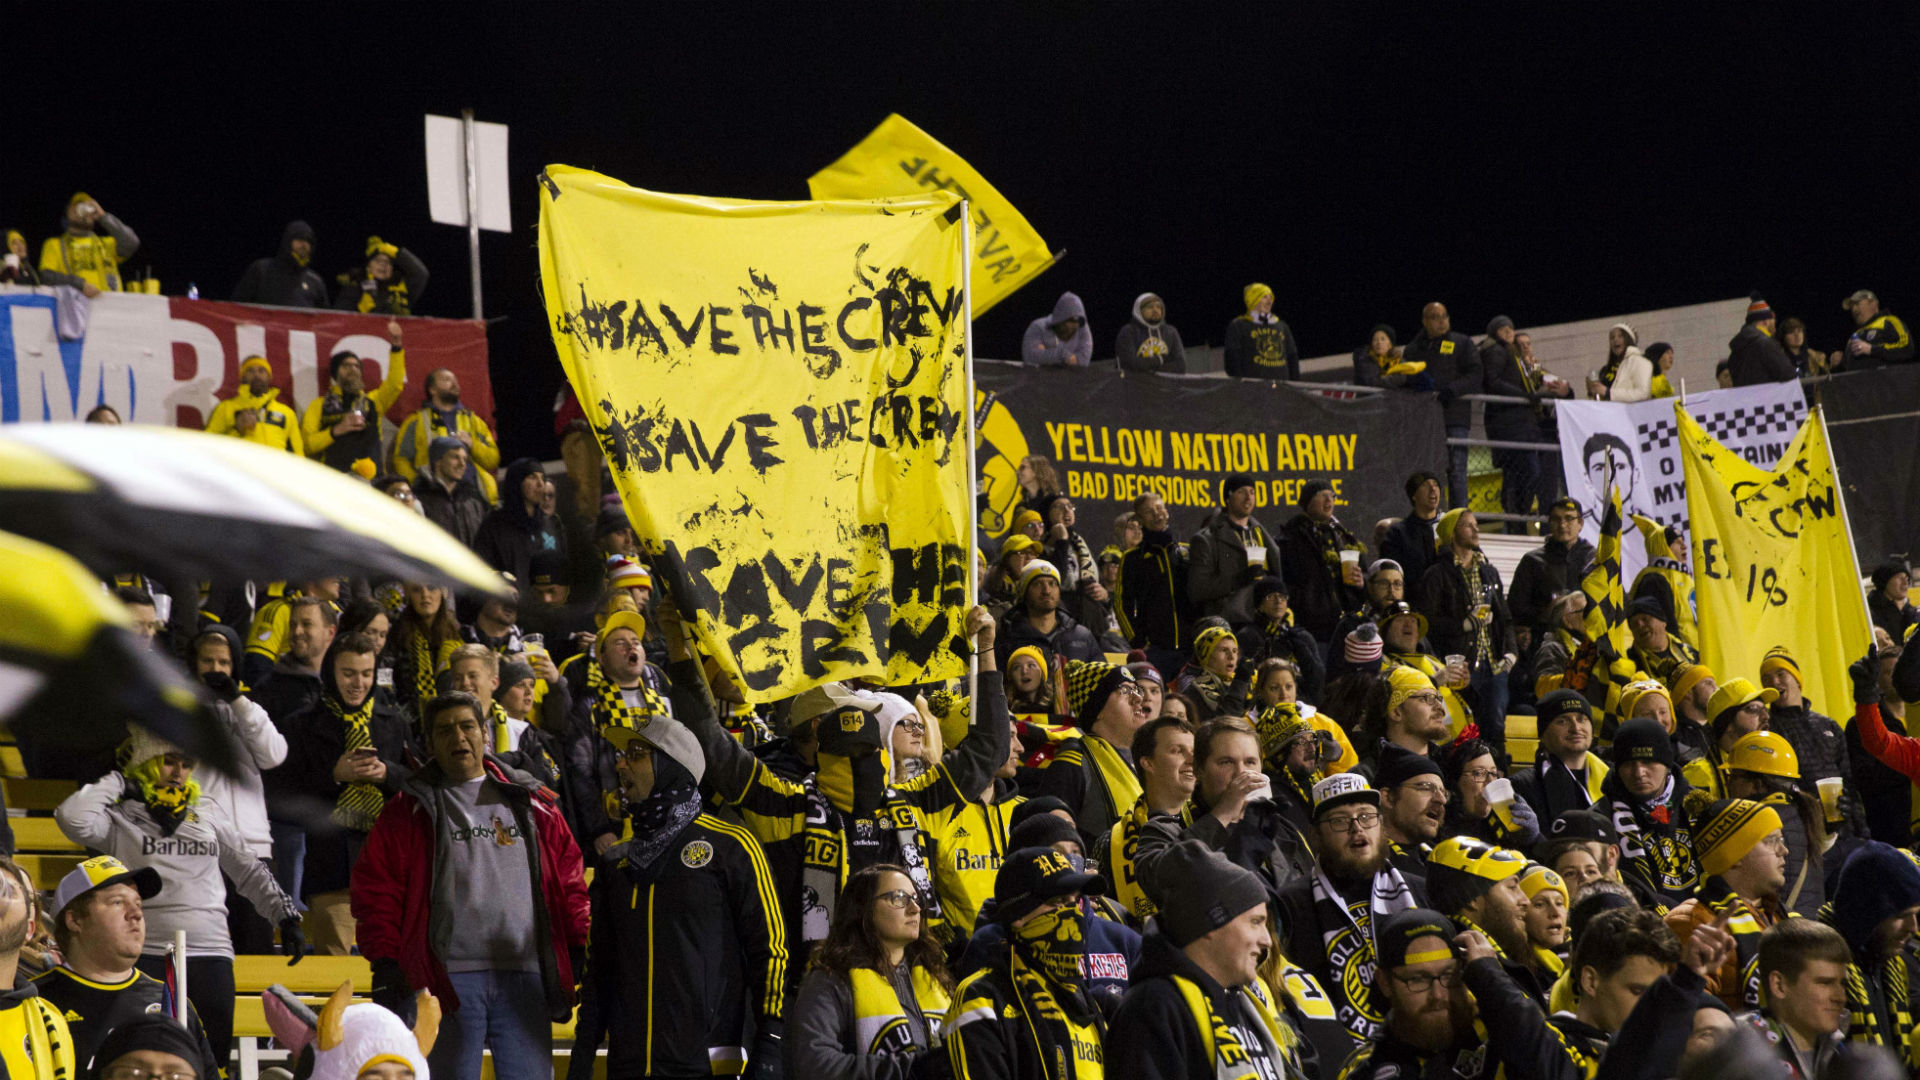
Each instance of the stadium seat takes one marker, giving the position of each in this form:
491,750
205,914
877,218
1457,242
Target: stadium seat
1523,739
11,766
47,870
36,794
41,834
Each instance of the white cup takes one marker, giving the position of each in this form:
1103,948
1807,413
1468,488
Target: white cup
1830,789
1349,557
1500,798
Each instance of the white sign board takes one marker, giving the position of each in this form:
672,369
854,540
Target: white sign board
447,173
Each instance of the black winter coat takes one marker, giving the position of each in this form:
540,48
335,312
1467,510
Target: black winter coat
1442,598
1454,363
283,280
1756,358
1543,573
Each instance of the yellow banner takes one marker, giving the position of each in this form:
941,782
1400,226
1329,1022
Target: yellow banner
900,159
1773,563
780,390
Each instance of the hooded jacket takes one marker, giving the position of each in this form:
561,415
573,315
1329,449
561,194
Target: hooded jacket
1454,363
459,511
1069,640
1041,347
1544,573
401,896
1755,358
88,257
1150,601
284,280
309,790
1145,346
1504,373
508,536
242,797
1159,1037
1633,381
1220,572
427,423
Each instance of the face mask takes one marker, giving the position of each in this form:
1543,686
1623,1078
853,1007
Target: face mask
1056,943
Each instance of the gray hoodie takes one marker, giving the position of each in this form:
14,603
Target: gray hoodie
1042,347
1144,346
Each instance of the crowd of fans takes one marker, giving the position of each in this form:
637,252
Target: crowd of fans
1289,833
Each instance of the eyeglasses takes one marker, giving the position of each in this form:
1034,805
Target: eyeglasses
1775,841
135,1072
915,725
1421,982
1426,697
900,899
1481,776
638,752
1131,691
1346,824
1427,788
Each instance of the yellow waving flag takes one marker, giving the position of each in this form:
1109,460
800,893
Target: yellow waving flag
900,159
1773,563
780,390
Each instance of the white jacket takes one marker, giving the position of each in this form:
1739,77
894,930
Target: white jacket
241,800
1634,381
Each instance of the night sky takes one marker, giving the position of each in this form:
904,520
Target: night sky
1551,163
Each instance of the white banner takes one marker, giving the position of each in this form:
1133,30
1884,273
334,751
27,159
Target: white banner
1637,446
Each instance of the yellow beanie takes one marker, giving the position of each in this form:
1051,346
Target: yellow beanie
1443,529
1631,695
1779,658
1252,294
1031,652
1685,679
1203,645
1537,879
1724,830
1405,682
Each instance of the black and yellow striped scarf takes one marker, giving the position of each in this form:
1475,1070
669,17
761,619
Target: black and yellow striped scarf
613,701
423,667
359,803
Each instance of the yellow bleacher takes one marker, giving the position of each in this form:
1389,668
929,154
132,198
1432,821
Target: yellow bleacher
24,794
1523,739
41,835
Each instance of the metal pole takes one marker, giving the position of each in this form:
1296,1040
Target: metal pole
473,205
973,498
1846,522
180,977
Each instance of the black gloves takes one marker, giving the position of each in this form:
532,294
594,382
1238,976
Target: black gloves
391,989
765,1062
1865,673
293,939
221,684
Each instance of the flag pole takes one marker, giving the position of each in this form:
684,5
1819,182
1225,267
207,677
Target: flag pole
1840,493
180,977
972,539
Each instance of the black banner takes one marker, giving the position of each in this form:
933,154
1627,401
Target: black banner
1876,448
1111,438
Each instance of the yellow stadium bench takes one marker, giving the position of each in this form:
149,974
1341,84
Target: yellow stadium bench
315,975
11,766
1523,739
47,870
1119,659
36,794
40,834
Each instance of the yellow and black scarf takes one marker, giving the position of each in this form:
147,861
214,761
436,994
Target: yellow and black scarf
1120,853
612,701
359,803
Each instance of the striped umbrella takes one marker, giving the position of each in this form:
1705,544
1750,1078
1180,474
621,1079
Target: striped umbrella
72,668
185,505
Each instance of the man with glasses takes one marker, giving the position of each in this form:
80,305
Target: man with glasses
1743,868
34,1040
147,1047
1558,564
1330,915
1413,807
1739,709
1417,983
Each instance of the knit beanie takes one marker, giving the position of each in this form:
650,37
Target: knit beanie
1632,693
1211,892
1758,311
1443,529
514,671
1877,882
441,446
1234,483
1206,641
1031,652
1633,338
1042,830
1089,684
1393,338
1498,323
1035,570
1025,518
1362,644
1562,701
155,1032
1461,870
1309,489
1279,724
143,745
1685,679
1642,740
1268,586
1888,570
1724,830
1779,659
1251,294
1537,879
1395,935
1397,765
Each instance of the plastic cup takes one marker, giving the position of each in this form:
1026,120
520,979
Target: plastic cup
1349,557
1830,789
1500,797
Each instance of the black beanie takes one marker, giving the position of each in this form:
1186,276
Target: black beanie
1045,804
1309,489
1234,483
1211,892
1642,739
148,1031
1042,830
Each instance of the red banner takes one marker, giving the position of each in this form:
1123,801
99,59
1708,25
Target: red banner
298,343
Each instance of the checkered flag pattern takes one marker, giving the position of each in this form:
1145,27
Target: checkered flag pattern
1735,428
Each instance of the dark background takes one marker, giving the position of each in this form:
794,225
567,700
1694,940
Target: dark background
1565,162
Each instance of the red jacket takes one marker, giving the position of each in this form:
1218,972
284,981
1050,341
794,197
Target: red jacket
392,889
1898,752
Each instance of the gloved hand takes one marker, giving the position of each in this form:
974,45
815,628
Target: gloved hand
1526,826
765,1062
221,684
377,246
1865,673
391,989
293,939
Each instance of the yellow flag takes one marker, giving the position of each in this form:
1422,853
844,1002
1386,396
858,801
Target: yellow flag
780,390
1773,563
900,159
